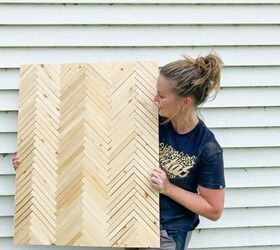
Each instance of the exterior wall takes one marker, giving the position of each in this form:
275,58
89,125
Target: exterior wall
244,116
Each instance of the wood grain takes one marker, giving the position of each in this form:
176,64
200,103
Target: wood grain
87,142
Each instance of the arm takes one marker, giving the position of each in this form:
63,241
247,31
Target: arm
208,202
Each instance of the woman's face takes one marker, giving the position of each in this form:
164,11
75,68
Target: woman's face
168,103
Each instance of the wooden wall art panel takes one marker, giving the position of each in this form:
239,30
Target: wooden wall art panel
87,142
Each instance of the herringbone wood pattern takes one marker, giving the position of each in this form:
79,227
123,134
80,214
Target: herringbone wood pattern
87,142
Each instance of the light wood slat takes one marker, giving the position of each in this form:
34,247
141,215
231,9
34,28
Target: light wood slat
103,36
243,55
144,14
87,142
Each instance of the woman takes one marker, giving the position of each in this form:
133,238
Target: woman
190,178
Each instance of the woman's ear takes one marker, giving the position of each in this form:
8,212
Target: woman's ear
187,102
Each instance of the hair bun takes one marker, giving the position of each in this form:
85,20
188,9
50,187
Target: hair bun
195,77
201,64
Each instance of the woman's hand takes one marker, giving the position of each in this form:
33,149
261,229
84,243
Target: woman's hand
15,161
160,181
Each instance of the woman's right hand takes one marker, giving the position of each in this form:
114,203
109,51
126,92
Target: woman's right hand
15,161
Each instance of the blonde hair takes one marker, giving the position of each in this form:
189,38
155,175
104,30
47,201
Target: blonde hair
195,77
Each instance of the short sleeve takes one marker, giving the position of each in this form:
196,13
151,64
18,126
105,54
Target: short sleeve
211,167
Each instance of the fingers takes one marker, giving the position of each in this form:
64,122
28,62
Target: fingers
158,177
15,162
159,180
15,156
155,186
155,180
158,170
159,173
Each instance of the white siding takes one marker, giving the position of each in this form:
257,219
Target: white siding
246,56
245,116
140,35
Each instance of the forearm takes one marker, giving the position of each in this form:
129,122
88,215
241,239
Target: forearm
192,201
208,202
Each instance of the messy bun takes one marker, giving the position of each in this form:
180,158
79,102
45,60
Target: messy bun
195,77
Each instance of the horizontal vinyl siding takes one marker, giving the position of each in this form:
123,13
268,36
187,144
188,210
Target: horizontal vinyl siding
231,77
258,117
244,116
228,138
179,14
139,36
236,198
259,158
225,99
135,2
232,56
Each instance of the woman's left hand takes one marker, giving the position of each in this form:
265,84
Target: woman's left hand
160,181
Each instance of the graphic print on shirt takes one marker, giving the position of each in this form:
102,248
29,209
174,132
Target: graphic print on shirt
175,163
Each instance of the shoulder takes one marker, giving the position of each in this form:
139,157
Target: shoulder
209,145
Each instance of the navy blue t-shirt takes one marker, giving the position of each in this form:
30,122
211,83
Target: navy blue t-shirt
190,159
